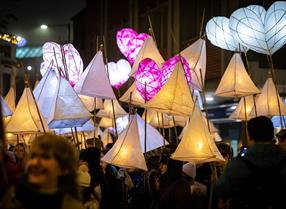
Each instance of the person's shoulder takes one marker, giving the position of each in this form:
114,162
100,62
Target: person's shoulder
71,202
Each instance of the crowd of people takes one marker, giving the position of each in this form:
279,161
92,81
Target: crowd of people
52,173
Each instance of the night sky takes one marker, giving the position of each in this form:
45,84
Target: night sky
32,13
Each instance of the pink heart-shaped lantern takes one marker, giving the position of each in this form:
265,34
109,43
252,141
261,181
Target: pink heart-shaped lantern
129,42
148,72
53,58
118,72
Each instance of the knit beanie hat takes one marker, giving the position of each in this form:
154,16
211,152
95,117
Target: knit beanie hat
190,169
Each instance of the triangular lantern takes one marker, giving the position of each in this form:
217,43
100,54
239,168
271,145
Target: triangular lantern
10,99
94,81
6,111
195,55
239,113
128,149
148,50
197,144
88,126
91,103
65,107
135,97
157,119
266,103
107,110
26,118
235,81
174,97
106,122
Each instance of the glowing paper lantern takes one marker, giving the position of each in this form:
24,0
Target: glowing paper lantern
261,31
266,103
148,50
195,55
129,42
235,81
157,119
128,150
197,144
26,118
94,81
240,111
5,108
107,110
91,103
10,99
88,126
136,98
106,139
174,97
118,72
65,107
219,34
154,77
54,54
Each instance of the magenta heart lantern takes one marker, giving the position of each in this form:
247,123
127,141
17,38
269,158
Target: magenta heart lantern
148,72
130,42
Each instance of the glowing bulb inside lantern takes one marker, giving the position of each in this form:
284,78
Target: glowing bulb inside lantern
200,145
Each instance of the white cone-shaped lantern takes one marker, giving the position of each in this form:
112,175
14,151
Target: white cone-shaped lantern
266,103
94,81
26,118
88,126
6,111
90,104
59,103
107,110
148,50
157,119
195,55
235,81
174,97
136,98
10,99
241,109
197,144
128,150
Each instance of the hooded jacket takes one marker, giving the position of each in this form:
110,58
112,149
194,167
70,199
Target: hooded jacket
264,157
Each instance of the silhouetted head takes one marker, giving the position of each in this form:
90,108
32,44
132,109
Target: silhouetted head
260,129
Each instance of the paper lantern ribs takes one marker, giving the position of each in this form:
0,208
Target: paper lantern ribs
197,144
26,118
65,107
260,30
128,150
235,81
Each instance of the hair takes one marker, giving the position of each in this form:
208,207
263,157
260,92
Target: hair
260,129
225,150
66,156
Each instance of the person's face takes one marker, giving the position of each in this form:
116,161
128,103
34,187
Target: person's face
163,168
43,170
20,152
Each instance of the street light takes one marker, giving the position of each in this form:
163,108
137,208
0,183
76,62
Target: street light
66,25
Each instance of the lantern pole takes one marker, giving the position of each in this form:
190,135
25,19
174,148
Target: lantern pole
277,93
112,103
245,122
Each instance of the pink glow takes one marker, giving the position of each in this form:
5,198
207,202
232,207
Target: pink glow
129,42
53,59
155,78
